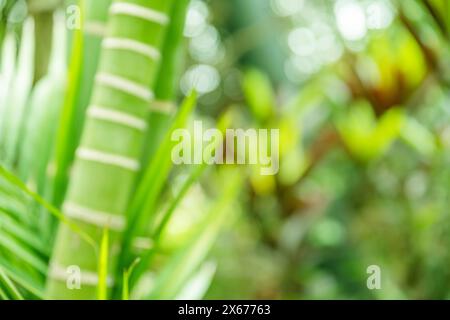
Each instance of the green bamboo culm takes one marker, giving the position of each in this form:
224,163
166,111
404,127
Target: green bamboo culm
108,157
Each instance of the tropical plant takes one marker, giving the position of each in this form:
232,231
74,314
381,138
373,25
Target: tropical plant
92,90
86,153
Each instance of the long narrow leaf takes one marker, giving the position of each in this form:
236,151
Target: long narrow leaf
14,180
103,267
189,257
126,280
143,203
22,279
23,252
9,286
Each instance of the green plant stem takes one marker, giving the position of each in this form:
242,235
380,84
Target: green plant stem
2,35
43,30
83,65
9,286
107,161
167,79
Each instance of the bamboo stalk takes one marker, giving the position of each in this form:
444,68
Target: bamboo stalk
108,156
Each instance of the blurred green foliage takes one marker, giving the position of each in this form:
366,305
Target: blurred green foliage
360,91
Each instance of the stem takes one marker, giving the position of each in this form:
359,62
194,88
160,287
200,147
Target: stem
168,75
107,160
43,30
83,65
2,35
166,85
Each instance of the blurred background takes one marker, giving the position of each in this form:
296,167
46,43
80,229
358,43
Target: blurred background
360,90
361,93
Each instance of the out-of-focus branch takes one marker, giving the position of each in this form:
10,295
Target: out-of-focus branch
430,57
437,18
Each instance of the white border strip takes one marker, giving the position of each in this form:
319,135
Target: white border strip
95,28
132,45
94,217
124,85
88,278
167,107
115,116
108,158
138,11
143,243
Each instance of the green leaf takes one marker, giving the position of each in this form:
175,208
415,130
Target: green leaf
64,137
365,136
9,287
3,295
167,215
192,178
197,286
142,206
190,256
259,94
22,233
103,267
126,279
7,70
419,137
23,252
18,94
17,182
22,278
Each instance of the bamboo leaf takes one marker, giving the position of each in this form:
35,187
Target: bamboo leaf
22,278
17,182
17,206
23,234
168,75
18,95
143,203
192,178
8,64
188,258
9,286
64,138
198,285
46,100
103,267
22,252
165,87
3,295
126,279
